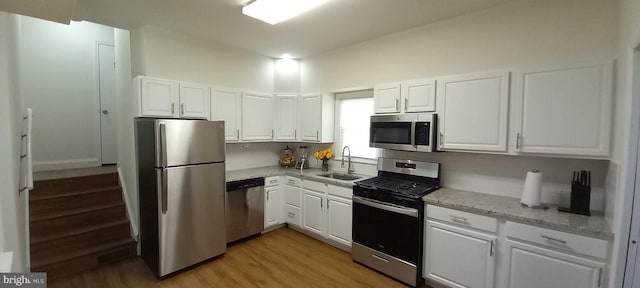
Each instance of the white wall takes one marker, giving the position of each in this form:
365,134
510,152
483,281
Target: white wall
12,213
58,79
522,32
161,53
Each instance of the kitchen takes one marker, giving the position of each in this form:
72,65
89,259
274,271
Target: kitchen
507,39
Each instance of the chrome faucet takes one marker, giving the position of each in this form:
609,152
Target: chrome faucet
350,167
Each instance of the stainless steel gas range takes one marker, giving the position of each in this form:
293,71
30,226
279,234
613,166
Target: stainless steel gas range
388,216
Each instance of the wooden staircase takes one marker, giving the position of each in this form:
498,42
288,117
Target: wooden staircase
78,223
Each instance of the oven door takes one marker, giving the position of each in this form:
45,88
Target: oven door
392,132
390,229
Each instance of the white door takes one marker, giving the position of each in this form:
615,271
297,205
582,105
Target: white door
257,116
564,110
535,267
226,106
108,112
474,110
273,207
311,117
312,210
287,117
194,101
448,250
339,219
419,95
386,98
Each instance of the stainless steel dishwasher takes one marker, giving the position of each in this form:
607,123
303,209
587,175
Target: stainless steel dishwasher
244,211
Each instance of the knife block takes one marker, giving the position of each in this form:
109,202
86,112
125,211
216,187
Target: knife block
580,202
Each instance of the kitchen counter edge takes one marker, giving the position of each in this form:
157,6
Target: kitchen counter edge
308,174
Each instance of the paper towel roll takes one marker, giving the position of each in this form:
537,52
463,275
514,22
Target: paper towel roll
532,189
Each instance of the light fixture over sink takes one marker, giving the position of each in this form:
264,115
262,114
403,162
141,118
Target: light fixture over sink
275,11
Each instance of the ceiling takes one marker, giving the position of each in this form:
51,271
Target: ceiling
336,24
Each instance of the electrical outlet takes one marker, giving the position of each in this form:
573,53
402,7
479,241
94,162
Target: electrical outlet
245,148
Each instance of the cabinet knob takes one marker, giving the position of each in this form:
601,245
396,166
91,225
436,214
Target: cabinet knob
105,112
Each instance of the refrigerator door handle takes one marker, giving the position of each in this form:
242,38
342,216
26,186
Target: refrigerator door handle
163,190
163,145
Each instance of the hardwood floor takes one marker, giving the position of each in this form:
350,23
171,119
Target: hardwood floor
281,258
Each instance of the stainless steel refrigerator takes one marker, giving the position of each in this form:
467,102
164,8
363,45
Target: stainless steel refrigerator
181,175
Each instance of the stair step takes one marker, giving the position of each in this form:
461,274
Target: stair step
57,205
100,255
68,185
69,212
59,234
59,250
73,193
41,228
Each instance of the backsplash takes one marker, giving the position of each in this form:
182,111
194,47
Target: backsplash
254,154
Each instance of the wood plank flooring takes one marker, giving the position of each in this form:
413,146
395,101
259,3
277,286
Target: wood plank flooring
281,258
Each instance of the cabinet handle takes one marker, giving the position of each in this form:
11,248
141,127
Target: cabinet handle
441,138
458,218
518,141
267,196
327,203
295,134
491,249
553,239
321,203
291,214
238,134
317,135
600,277
271,133
172,107
406,104
181,108
291,181
397,100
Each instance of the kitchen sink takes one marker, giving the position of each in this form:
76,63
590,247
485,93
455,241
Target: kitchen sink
341,176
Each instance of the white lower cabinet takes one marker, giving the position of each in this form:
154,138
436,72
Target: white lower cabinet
272,203
459,255
312,210
339,219
543,258
291,199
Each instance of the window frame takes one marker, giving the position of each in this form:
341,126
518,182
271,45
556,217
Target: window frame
338,145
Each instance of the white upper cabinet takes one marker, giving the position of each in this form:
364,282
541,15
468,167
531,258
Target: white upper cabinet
473,111
257,116
194,101
386,98
157,97
287,117
563,110
419,95
317,117
226,105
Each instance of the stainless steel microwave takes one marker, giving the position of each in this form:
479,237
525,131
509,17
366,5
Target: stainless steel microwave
407,132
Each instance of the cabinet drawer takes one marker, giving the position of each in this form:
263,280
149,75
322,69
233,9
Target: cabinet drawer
340,191
291,195
292,215
271,181
558,240
314,186
293,181
462,218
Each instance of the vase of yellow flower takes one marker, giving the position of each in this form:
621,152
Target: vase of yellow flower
324,155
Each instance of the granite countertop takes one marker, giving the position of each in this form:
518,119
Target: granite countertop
509,209
309,174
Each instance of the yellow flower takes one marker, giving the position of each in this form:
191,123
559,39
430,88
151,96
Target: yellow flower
324,154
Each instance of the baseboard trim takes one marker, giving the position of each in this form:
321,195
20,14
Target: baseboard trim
65,164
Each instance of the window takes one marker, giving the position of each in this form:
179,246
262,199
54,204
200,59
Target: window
354,114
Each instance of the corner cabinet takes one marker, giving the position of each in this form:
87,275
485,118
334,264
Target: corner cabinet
564,109
317,117
473,111
226,105
257,116
452,239
166,98
292,202
287,117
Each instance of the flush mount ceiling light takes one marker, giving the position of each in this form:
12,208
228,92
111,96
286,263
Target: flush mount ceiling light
275,11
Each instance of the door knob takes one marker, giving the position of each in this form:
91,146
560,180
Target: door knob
105,112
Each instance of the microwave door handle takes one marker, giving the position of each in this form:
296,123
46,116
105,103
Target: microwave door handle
413,134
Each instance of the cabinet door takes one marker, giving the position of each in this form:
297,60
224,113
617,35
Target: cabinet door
291,195
419,95
159,98
225,106
311,117
272,207
473,111
339,219
194,101
564,110
386,98
257,116
313,212
448,251
287,117
534,267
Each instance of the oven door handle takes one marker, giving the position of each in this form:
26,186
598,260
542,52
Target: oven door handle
384,206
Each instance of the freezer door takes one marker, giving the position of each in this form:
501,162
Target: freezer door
191,215
184,142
